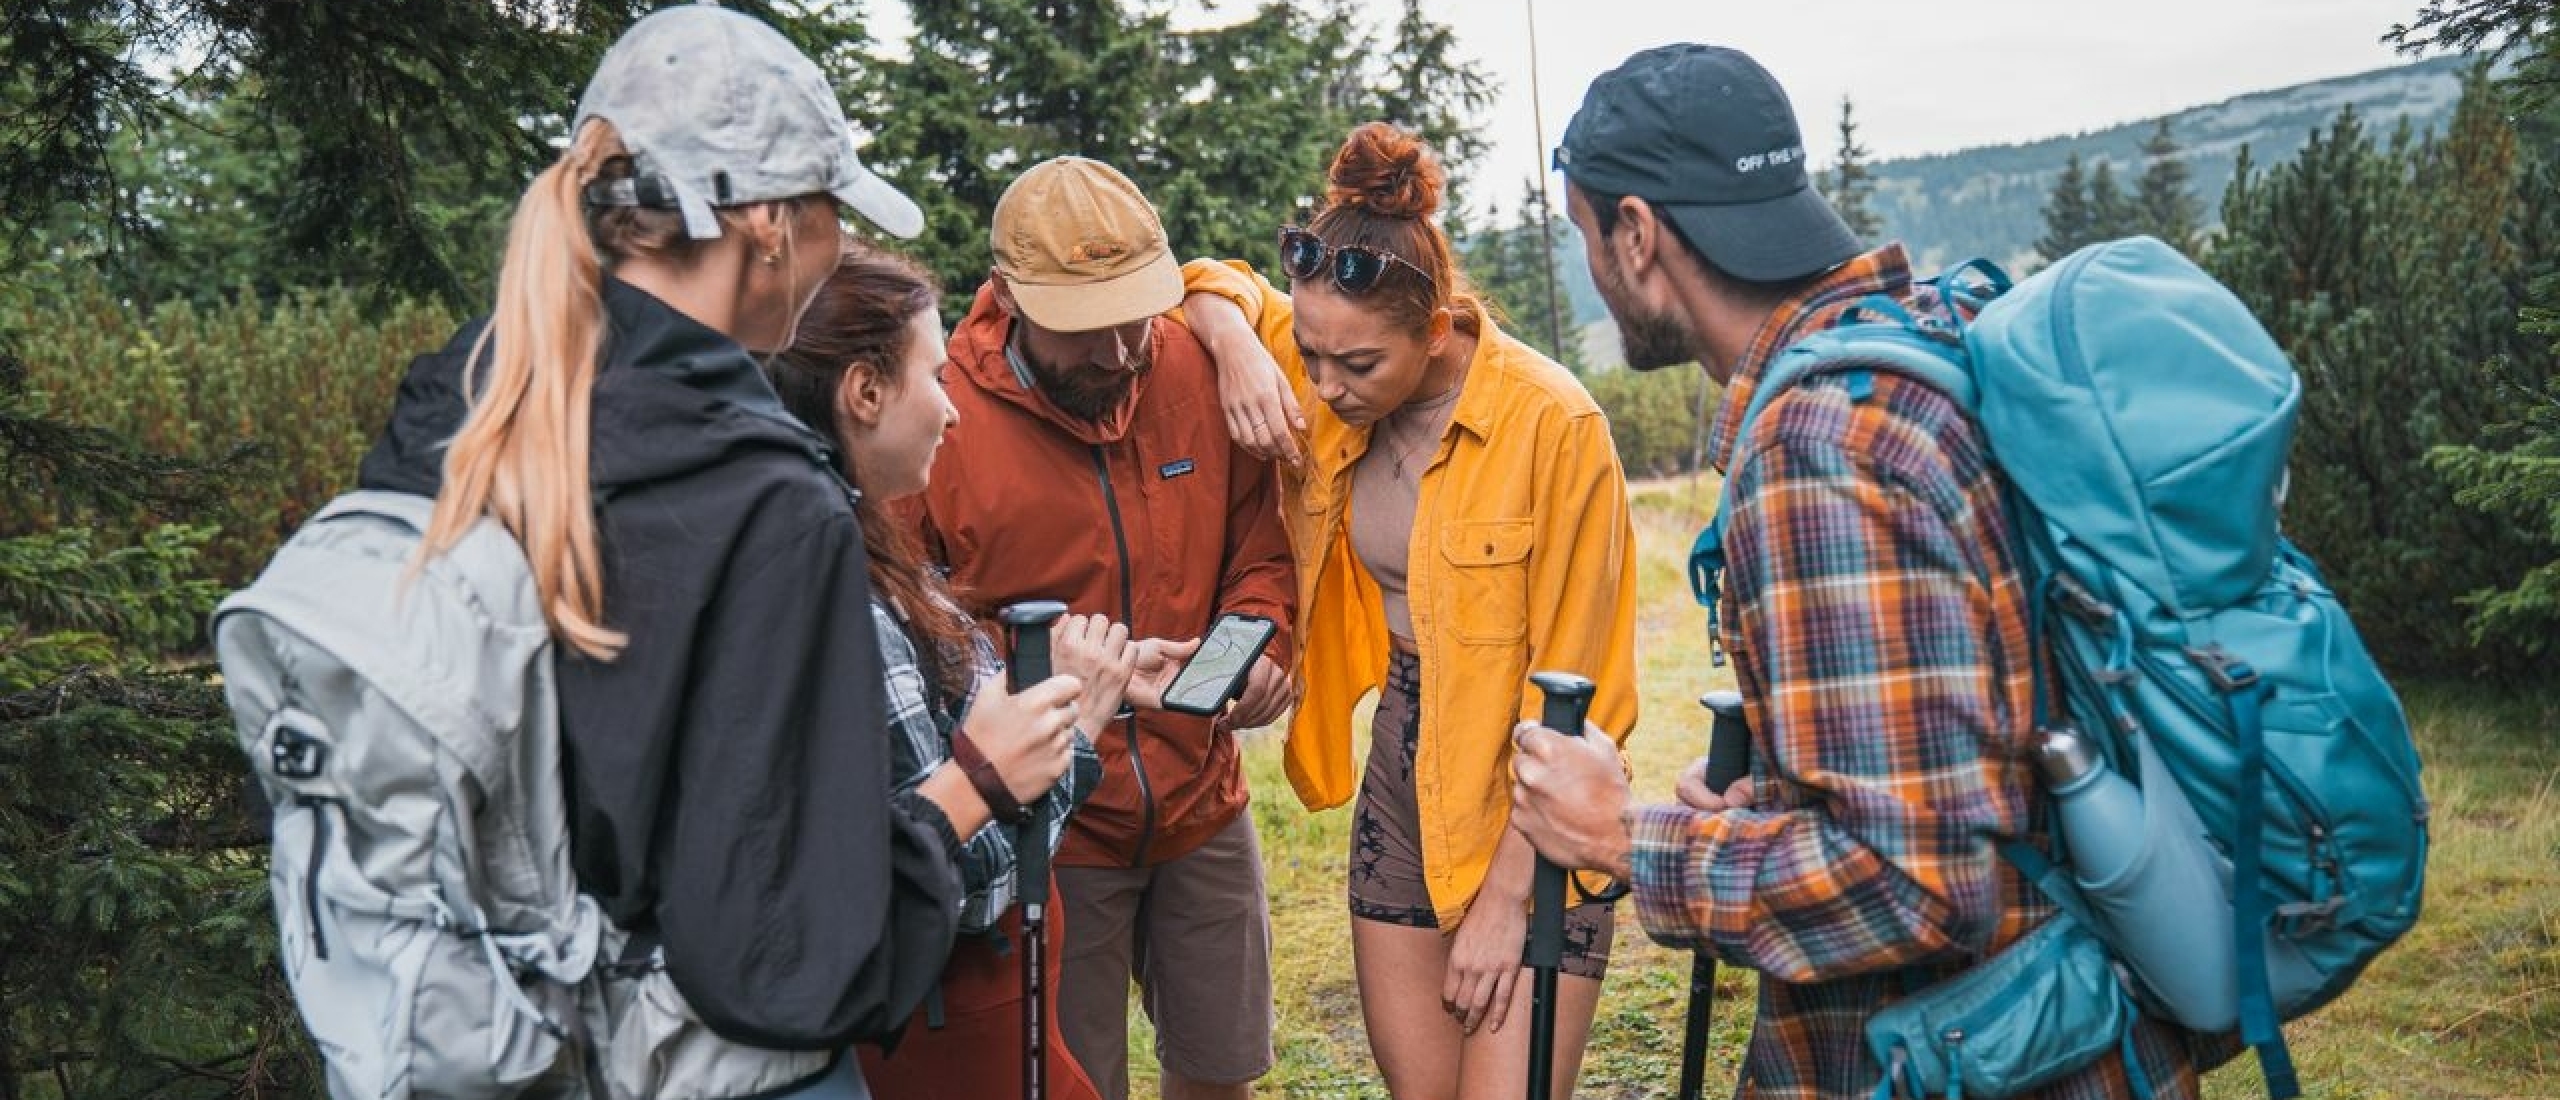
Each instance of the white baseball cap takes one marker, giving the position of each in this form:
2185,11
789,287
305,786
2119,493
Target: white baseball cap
719,109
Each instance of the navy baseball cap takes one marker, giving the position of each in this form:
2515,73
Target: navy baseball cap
1706,135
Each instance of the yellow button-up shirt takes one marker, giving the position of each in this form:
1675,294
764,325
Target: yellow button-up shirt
1523,558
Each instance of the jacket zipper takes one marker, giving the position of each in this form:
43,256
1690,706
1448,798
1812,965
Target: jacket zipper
1128,616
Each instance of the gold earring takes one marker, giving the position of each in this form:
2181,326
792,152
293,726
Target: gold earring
772,259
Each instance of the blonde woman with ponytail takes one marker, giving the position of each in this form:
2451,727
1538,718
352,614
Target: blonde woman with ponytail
1460,520
774,898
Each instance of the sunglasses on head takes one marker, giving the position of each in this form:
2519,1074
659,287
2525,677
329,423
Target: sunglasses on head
1354,268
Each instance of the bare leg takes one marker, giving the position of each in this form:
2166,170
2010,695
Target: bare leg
1420,1049
1416,1042
1496,1063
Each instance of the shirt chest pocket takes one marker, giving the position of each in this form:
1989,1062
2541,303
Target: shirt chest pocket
1486,598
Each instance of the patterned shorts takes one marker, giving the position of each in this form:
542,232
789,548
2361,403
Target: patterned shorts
1386,847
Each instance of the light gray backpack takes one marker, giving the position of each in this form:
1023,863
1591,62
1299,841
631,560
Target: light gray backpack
405,730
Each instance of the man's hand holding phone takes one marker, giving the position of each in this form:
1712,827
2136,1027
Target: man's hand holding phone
1158,662
1268,692
1226,673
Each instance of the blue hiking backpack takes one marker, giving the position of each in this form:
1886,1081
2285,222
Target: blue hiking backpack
2141,417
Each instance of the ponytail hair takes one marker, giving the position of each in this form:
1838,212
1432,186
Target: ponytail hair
521,455
1382,191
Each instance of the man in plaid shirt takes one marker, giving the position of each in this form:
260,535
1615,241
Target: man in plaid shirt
1875,615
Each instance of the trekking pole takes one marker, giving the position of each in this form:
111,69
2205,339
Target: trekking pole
1568,700
1027,624
1728,759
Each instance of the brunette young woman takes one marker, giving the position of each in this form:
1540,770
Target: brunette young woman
1458,519
866,372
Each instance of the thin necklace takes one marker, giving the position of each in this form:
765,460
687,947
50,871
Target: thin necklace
1415,421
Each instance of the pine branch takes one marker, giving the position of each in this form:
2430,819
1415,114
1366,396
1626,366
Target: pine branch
158,697
81,468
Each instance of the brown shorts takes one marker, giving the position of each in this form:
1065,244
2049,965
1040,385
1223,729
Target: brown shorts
1195,934
1386,848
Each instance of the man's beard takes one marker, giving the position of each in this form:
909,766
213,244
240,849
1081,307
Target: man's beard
1650,341
1087,393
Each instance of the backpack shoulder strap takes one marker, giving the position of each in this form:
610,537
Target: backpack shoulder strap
1900,346
349,593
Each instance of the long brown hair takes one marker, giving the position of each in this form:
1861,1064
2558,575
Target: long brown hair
859,323
1381,192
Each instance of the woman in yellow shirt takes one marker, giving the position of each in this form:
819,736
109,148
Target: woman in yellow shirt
1459,519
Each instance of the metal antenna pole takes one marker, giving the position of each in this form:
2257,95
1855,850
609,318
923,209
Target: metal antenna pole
1546,204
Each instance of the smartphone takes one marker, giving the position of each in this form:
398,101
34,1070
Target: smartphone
1216,674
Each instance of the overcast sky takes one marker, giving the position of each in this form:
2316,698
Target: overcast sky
1926,77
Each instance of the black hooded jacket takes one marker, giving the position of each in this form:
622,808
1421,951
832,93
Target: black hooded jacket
729,773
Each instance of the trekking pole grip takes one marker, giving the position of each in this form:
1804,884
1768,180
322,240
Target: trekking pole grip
1728,740
1568,701
1027,635
1027,627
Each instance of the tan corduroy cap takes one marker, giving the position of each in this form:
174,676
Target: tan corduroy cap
1081,249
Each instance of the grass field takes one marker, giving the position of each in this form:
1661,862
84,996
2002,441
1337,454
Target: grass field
2467,1007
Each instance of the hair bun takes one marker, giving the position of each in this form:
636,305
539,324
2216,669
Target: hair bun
1386,171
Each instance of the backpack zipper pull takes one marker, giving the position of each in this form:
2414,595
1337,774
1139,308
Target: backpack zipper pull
319,808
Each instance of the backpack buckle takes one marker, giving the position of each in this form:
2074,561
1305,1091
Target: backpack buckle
1933,327
2229,673
2080,603
2304,918
293,754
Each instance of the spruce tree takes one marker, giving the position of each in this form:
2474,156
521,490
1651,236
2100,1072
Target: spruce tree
377,128
137,953
2068,220
2111,210
1511,268
991,87
2511,474
2390,271
1851,184
1245,150
1227,130
2500,28
1427,87
2164,203
2515,475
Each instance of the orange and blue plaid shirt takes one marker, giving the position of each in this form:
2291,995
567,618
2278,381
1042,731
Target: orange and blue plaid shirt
1878,629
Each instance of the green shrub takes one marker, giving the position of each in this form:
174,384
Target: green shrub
1653,416
307,380
136,955
2521,484
2390,271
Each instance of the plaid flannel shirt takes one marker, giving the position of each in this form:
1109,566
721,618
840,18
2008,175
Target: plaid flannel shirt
1877,625
923,721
